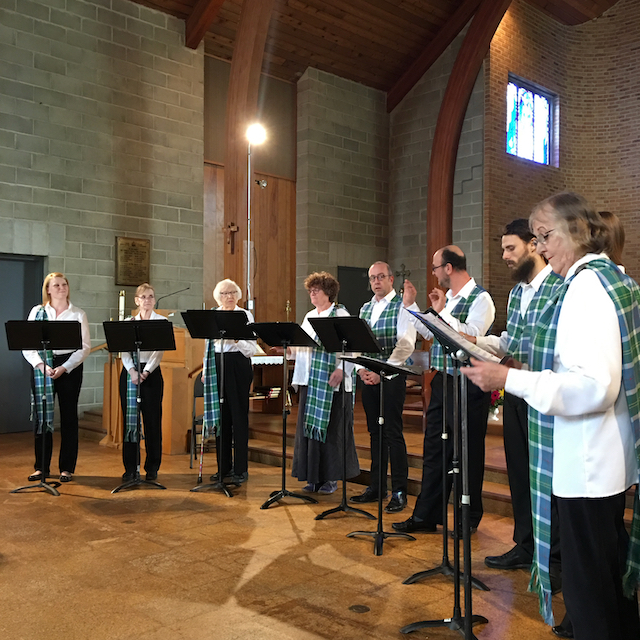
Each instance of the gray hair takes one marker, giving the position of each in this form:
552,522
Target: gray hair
222,285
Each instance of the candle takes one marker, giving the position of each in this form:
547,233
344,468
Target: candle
121,306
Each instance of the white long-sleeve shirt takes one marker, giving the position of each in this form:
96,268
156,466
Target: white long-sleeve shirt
302,355
497,345
479,319
76,357
150,358
593,444
246,347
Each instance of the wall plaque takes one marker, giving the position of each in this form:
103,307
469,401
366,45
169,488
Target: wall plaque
132,261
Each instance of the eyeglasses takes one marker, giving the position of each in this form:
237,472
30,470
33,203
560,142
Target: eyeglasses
315,290
380,277
228,293
543,237
149,296
434,269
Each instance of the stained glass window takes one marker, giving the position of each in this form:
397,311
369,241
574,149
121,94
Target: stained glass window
529,122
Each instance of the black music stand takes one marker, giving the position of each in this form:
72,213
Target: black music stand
41,335
284,334
383,369
459,349
215,324
139,335
445,568
345,334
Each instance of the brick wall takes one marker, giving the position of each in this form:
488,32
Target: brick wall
413,124
101,136
593,69
342,177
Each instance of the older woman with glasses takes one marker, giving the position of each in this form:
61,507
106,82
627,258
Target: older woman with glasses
584,421
317,455
238,375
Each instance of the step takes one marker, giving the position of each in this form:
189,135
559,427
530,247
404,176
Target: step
90,426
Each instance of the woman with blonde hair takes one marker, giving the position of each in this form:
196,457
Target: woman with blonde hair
65,371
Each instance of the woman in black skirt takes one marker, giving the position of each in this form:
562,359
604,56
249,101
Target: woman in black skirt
317,456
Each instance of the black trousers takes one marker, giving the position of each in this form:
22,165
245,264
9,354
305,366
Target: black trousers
238,376
394,448
67,388
429,504
516,448
594,546
151,391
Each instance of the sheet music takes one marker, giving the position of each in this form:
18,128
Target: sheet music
441,329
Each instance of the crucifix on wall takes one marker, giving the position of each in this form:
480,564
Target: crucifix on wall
230,232
403,274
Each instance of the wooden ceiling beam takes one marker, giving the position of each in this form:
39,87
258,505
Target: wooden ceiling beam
198,23
432,52
444,149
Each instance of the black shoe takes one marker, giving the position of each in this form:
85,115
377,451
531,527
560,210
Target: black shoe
562,631
516,558
368,495
240,478
216,477
397,503
36,477
412,526
66,477
151,475
127,476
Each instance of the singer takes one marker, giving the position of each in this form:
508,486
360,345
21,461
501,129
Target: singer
151,391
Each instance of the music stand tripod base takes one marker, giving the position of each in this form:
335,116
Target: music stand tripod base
47,486
379,538
218,486
276,496
137,482
455,624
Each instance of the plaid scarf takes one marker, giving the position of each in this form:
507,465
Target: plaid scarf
460,313
625,295
519,328
131,406
41,387
211,418
386,327
317,410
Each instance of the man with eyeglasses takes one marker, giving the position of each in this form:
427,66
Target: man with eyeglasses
393,328
468,308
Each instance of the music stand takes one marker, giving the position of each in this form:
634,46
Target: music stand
139,335
383,369
215,324
345,334
38,335
284,334
460,350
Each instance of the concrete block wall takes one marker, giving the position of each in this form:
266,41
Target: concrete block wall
101,135
342,177
413,124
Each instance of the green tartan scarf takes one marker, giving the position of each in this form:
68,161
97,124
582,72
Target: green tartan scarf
460,313
211,419
41,387
625,295
317,409
386,327
519,327
131,406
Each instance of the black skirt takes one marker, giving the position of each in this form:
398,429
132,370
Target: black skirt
317,462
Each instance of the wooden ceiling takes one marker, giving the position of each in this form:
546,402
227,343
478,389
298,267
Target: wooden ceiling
373,42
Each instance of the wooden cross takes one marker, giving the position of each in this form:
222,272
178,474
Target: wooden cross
403,274
231,229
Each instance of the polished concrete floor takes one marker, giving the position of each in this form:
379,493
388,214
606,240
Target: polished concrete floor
176,565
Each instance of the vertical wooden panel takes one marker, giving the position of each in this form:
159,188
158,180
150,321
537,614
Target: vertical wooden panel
214,238
273,213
